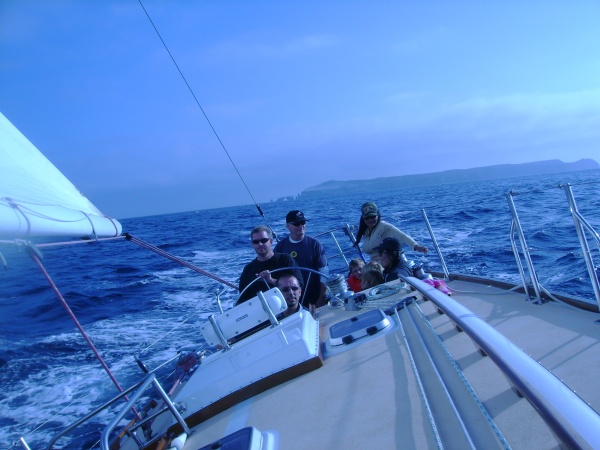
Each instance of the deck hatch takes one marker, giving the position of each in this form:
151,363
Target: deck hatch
366,324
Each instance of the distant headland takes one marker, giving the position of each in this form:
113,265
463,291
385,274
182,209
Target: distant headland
334,187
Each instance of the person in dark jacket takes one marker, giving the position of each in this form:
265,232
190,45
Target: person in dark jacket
266,261
307,252
393,265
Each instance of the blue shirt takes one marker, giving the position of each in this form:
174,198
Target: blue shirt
307,253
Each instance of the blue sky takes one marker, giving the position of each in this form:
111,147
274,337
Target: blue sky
299,92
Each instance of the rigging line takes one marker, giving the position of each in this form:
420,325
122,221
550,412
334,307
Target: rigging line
200,106
34,253
167,255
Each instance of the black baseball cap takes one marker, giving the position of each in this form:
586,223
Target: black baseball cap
296,217
389,244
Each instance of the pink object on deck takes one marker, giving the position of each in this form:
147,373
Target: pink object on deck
439,285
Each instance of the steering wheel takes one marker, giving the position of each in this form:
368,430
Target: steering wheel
279,270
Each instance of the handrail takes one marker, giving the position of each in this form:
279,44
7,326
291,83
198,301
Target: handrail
347,230
525,248
213,322
572,420
94,413
339,247
515,249
267,308
579,221
141,388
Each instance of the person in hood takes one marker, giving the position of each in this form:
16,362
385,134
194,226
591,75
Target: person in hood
372,230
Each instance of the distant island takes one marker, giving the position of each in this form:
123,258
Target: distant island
334,187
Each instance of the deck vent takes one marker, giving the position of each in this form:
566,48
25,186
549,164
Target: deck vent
365,324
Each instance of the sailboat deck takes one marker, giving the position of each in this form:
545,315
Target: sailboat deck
373,386
333,406
563,339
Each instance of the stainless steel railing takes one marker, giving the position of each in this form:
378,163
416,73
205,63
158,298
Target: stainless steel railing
347,231
581,225
518,242
435,244
532,281
140,388
516,225
571,419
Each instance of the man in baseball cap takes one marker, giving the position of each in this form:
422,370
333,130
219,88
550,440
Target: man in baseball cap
308,253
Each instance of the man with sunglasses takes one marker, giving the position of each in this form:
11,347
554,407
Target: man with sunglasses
265,262
307,252
291,289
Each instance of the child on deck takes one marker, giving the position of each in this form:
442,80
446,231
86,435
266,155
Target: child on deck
355,277
371,278
372,275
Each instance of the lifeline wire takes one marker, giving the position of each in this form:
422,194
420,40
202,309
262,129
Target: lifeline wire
206,117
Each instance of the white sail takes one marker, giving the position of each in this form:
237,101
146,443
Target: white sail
36,199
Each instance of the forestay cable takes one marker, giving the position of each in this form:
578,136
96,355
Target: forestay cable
206,117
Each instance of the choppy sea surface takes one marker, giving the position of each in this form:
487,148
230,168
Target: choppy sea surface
133,302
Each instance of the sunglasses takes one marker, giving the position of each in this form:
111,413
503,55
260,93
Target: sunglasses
290,288
298,224
260,241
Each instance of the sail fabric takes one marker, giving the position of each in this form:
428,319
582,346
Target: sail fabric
36,199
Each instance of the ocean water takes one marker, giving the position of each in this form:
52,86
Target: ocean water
133,302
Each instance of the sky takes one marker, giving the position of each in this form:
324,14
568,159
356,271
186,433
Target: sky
298,93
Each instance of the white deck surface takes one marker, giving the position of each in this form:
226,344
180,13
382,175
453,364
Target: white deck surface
368,397
563,339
